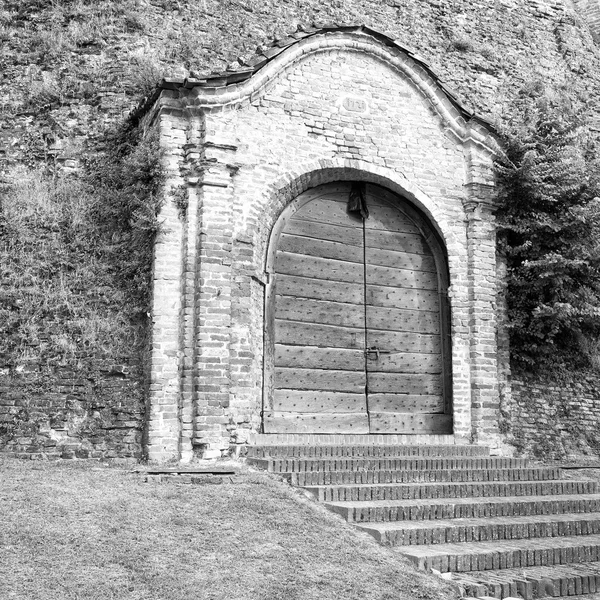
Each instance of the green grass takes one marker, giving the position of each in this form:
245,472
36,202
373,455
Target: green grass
87,531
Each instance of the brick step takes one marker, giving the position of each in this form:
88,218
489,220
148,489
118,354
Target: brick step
452,531
445,476
464,508
413,491
534,582
300,465
504,554
364,450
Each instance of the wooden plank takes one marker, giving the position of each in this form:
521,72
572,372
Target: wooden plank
350,234
281,422
311,357
322,311
399,259
402,298
391,319
401,278
411,403
404,362
446,350
318,402
380,196
322,248
328,210
316,379
400,341
340,188
328,336
322,289
404,383
269,345
410,423
389,218
319,268
401,242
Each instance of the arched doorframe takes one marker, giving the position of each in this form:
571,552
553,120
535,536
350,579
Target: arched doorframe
431,233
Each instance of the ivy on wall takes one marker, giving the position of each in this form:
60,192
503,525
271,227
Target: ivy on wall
549,232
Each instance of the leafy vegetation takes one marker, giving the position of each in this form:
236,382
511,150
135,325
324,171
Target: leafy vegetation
549,226
76,255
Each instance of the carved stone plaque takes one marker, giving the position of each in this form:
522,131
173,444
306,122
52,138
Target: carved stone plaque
357,105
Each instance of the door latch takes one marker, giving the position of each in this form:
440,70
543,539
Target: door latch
373,352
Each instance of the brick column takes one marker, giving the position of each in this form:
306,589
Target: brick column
185,199
481,240
163,425
213,299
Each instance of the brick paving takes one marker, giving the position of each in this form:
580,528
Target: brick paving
502,528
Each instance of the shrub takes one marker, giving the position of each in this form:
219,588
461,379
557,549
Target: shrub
125,180
549,226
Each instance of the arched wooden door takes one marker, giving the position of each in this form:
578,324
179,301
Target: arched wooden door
357,320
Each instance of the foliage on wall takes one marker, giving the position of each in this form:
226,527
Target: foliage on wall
549,231
77,251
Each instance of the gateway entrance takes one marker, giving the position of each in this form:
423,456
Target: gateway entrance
357,335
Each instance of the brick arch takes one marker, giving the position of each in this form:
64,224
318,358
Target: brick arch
282,191
243,167
286,188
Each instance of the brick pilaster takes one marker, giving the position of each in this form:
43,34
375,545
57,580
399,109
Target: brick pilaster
189,207
163,428
481,239
213,300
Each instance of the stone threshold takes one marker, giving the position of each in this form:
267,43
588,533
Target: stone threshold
301,439
190,471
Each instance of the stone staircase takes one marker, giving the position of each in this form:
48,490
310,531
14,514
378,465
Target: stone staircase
502,527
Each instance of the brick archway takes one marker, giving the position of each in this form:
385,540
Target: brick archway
240,168
357,335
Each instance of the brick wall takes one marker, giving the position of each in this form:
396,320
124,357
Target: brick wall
554,419
508,44
589,11
94,411
72,373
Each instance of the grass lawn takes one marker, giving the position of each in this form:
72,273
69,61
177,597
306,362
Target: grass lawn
82,530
